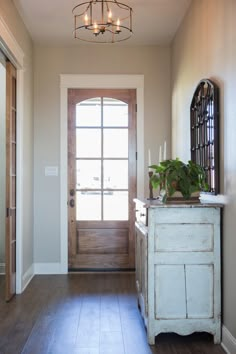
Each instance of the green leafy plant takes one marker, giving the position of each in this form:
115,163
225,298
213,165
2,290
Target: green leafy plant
175,175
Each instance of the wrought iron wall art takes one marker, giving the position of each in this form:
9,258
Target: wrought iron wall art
204,114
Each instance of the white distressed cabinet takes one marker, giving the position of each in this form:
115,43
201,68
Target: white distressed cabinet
178,274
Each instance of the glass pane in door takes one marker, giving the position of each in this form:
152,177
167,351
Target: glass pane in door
88,174
88,142
115,174
115,143
115,205
88,113
115,113
88,205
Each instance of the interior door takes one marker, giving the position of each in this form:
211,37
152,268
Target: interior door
101,178
10,181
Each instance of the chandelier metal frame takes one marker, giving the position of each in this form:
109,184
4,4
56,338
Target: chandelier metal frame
84,20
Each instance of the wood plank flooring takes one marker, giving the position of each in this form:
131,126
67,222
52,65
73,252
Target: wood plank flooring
2,287
85,314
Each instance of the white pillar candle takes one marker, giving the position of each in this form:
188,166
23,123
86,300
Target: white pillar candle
164,152
149,158
160,154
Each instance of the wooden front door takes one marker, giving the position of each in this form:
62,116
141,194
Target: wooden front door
101,178
10,254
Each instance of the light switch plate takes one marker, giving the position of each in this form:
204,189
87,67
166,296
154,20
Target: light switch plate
51,171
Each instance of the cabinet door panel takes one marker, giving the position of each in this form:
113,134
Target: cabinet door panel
199,285
170,296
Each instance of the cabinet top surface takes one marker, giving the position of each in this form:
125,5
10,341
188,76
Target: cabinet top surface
155,203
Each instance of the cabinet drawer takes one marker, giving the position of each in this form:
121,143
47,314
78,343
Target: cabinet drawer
184,237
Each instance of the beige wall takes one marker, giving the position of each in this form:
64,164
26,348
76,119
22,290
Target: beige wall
13,21
152,62
205,47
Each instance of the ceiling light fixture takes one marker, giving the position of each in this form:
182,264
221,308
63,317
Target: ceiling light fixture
102,21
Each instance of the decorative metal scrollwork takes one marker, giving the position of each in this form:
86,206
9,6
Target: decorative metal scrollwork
204,113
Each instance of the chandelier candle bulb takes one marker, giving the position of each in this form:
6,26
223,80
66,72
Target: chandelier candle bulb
109,17
118,25
95,28
86,20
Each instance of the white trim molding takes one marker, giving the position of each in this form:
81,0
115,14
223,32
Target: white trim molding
92,82
228,341
19,181
27,277
47,268
15,54
10,46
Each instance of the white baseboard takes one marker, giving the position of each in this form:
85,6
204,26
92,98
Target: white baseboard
2,268
27,277
39,268
47,268
228,341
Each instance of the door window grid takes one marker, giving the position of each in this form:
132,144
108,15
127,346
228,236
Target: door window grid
102,156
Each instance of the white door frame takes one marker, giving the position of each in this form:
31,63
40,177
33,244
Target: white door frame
95,82
15,54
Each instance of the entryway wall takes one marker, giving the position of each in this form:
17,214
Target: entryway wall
51,62
205,47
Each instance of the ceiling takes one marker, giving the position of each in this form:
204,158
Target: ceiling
155,22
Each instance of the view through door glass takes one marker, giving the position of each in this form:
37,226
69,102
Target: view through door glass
102,159
102,179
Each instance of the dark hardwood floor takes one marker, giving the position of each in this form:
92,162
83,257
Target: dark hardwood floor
85,314
2,287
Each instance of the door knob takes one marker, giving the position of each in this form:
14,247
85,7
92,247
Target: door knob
72,203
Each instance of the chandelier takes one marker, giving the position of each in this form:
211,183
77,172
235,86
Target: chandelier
102,21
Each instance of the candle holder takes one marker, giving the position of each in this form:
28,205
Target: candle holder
150,173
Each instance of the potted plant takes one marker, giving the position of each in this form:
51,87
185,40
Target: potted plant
176,176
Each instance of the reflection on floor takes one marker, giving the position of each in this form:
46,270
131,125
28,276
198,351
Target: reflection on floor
85,314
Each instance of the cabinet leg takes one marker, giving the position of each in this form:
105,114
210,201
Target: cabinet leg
217,337
138,304
151,339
